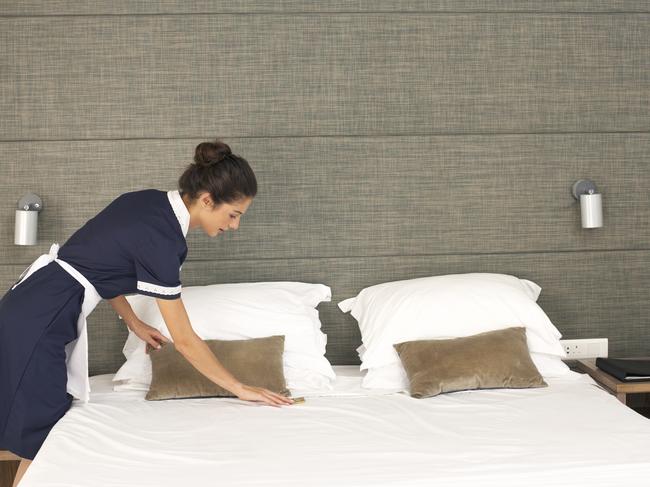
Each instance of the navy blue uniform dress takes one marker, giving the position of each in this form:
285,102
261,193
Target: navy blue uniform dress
134,245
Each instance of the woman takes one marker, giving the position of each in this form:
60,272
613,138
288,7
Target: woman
135,244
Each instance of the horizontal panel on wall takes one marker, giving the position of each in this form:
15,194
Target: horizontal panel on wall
329,197
125,7
306,75
587,294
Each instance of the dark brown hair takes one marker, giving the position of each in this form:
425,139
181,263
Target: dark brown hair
226,176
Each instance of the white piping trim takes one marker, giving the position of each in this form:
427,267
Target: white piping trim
154,288
180,210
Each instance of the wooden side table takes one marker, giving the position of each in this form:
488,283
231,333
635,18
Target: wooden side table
634,394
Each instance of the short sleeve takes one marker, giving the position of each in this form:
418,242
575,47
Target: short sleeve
157,269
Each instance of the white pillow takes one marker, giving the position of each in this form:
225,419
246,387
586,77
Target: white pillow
240,311
448,306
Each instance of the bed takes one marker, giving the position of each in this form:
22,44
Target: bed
570,433
361,424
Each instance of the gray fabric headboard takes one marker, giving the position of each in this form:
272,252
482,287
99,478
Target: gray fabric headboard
391,140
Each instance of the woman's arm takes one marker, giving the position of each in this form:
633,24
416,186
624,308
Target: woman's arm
123,308
146,333
190,345
195,350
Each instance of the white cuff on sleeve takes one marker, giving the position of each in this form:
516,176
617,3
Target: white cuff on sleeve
154,288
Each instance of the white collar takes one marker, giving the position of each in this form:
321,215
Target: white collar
180,210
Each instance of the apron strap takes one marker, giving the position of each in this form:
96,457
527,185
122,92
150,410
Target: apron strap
50,256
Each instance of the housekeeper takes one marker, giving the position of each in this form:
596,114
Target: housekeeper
134,245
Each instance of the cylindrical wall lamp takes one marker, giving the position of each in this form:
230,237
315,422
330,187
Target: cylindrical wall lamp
26,231
591,203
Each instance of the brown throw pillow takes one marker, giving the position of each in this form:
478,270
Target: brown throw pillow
256,362
494,359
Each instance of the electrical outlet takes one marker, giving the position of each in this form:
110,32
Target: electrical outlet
585,348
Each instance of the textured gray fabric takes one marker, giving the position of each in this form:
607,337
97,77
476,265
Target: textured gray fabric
310,75
361,196
386,145
130,7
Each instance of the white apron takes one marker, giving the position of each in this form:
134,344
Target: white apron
77,350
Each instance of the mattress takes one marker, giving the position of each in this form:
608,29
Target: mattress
571,433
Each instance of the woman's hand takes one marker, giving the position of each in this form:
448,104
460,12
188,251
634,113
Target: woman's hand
252,393
152,337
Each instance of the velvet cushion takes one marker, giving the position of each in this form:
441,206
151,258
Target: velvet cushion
492,359
254,362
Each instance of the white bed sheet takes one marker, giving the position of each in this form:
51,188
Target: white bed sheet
571,433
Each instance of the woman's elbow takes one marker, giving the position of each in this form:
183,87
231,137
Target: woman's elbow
182,346
185,345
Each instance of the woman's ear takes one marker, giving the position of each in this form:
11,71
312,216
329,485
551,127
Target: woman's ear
206,200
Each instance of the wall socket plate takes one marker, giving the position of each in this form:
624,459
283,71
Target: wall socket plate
585,348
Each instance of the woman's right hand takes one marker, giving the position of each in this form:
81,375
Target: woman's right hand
252,393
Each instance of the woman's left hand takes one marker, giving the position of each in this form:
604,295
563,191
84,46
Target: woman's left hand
152,337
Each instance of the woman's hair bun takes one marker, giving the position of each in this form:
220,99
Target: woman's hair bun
209,153
226,176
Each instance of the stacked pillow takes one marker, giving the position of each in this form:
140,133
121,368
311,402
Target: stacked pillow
488,360
449,306
255,362
242,311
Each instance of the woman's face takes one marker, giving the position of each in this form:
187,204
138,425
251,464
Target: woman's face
214,220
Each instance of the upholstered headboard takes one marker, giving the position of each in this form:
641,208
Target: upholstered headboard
390,140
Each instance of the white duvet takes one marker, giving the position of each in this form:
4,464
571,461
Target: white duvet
571,433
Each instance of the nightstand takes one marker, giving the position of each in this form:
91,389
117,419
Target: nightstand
635,394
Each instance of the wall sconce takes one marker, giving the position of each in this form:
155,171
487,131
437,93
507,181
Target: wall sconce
27,219
591,205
